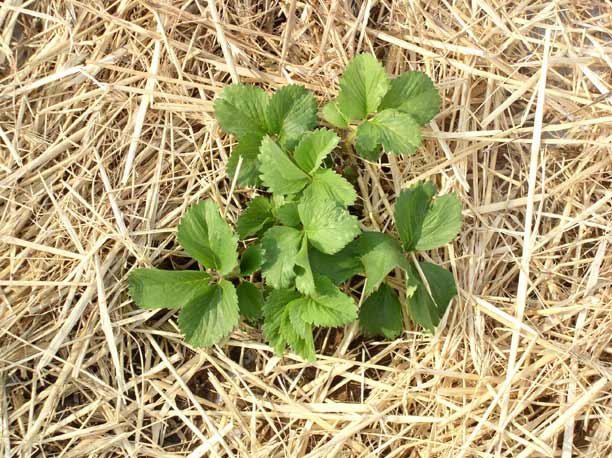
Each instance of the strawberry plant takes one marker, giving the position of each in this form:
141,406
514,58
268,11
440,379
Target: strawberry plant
301,245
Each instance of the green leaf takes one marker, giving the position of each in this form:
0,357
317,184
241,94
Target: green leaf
328,227
332,114
429,189
251,260
288,214
362,87
248,149
420,305
367,141
413,93
424,308
210,316
278,200
250,301
381,314
292,111
273,310
337,267
294,312
423,225
278,172
155,288
281,245
379,254
442,222
241,110
327,184
442,285
208,238
304,281
410,210
397,132
258,216
313,148
327,306
296,332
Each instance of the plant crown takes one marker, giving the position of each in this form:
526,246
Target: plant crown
300,246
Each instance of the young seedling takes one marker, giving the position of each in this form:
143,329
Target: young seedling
301,245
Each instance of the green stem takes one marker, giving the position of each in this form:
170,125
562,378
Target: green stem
350,139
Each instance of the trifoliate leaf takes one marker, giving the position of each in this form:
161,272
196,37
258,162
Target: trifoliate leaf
155,288
337,267
208,238
248,150
331,113
397,132
241,110
281,245
410,210
424,308
362,87
413,93
327,184
328,227
291,112
273,310
278,172
328,306
258,216
442,223
381,314
288,214
250,301
251,260
313,148
304,281
379,254
210,316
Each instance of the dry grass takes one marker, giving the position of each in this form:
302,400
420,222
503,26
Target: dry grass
107,135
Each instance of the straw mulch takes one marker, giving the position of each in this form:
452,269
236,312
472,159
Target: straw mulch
107,136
